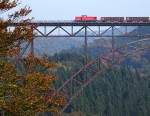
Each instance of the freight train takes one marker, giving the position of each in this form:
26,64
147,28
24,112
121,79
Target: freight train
111,19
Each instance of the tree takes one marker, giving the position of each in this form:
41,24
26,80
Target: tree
31,93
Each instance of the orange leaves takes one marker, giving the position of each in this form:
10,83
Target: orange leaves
25,11
5,68
21,13
1,21
60,101
8,39
6,4
23,32
4,106
26,93
38,63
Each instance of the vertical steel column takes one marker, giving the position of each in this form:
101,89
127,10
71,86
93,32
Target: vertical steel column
59,30
72,30
113,42
126,33
139,32
85,53
99,30
126,30
45,30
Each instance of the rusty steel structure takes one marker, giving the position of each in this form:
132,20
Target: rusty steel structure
77,82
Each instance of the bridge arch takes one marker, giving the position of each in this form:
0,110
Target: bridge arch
76,84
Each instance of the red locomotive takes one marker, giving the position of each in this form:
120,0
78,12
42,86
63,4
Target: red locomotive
112,19
85,18
137,19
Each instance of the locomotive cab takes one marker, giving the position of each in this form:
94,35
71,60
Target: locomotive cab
85,18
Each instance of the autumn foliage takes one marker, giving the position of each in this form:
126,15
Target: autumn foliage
31,93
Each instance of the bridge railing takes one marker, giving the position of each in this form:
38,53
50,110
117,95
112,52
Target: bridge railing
47,21
73,21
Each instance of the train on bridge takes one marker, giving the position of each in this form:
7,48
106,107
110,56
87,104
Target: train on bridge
112,19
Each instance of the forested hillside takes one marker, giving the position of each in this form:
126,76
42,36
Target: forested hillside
117,91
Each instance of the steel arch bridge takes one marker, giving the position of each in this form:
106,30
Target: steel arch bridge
76,83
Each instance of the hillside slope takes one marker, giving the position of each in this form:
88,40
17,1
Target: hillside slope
118,91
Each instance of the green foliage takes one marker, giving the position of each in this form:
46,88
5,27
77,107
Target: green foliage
117,91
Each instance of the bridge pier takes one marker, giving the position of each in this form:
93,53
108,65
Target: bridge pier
113,42
85,54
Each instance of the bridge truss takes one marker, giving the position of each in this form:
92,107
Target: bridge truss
77,82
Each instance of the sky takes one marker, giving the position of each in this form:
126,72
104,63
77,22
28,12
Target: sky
68,9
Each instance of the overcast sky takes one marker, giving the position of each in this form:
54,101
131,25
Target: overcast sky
68,9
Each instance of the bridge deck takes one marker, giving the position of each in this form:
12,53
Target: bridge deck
83,23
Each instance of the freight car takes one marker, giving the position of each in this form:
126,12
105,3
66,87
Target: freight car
112,19
85,18
137,19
